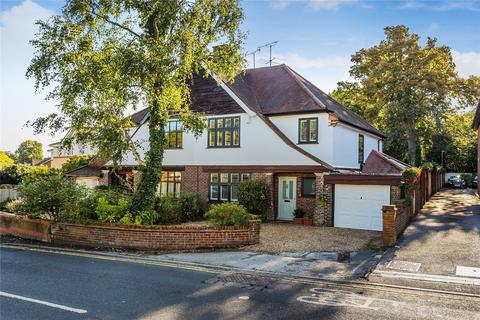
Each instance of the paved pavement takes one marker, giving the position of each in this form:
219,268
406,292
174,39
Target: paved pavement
444,236
46,285
308,264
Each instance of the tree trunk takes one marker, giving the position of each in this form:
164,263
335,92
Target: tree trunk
412,143
144,196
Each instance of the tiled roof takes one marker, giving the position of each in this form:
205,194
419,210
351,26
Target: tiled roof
85,171
279,90
381,163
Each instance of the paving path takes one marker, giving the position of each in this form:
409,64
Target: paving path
445,235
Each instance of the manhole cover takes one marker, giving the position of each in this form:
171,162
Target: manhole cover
247,279
404,265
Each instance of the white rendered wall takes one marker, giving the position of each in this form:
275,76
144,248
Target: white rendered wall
324,148
345,146
259,145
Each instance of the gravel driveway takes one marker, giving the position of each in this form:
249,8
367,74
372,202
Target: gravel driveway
283,237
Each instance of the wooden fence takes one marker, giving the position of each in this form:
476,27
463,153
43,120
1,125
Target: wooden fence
6,194
429,183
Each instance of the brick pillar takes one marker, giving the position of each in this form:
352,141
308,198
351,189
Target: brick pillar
322,215
389,233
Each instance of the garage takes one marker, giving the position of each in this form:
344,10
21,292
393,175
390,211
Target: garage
360,206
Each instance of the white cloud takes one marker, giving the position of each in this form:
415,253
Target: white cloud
19,103
329,4
468,63
446,5
314,4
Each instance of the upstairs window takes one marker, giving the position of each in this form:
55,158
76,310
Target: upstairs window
361,148
174,135
170,183
308,130
224,132
223,186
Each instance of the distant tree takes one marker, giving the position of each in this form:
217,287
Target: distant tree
75,162
29,150
458,142
5,160
407,90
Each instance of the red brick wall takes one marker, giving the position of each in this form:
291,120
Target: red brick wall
196,181
155,237
23,227
129,236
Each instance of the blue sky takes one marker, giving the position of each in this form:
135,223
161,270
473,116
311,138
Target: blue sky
316,38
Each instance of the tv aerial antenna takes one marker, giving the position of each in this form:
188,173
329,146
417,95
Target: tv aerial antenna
269,45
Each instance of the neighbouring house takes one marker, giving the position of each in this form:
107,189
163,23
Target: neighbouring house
272,124
476,126
60,154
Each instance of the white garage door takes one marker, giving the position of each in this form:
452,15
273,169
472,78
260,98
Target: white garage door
360,206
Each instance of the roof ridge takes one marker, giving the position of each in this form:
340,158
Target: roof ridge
292,73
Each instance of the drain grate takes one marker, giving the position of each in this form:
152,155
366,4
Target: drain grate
247,279
404,265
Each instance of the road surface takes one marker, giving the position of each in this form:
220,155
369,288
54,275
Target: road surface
47,285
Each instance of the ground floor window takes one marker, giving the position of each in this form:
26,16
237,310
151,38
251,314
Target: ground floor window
223,186
170,183
308,187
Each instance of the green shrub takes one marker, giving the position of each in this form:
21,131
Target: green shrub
298,213
15,174
191,206
49,194
15,206
254,196
4,203
169,210
107,212
147,217
228,214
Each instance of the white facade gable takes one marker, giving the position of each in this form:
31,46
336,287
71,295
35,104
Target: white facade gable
337,145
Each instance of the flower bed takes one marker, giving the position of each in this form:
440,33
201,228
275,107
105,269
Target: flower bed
173,237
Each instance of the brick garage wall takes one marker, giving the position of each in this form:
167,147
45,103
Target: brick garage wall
23,227
155,237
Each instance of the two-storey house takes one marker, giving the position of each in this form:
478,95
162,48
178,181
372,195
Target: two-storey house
274,125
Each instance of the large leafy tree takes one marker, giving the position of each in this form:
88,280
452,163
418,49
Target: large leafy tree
406,89
104,57
29,150
5,160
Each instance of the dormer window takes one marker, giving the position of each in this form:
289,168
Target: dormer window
224,132
307,130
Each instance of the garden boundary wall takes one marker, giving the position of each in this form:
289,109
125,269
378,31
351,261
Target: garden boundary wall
162,238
